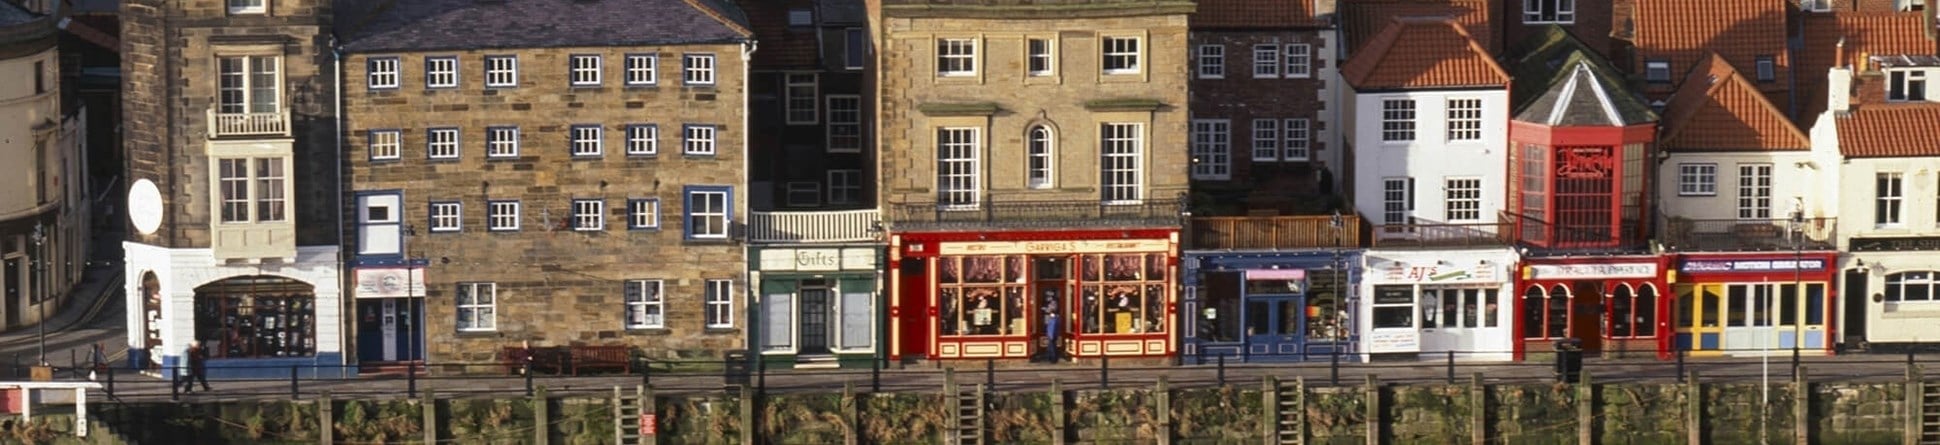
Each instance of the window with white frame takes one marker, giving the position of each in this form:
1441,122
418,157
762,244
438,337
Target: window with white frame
441,143
1212,61
1040,57
501,142
643,213
251,189
697,69
1121,145
707,212
1657,71
589,215
586,140
698,139
441,72
247,6
501,71
845,186
1906,85
642,139
1694,179
1038,154
1211,149
956,57
1816,5
1919,286
1548,11
383,145
645,306
477,306
1398,120
1300,60
801,98
1266,139
1888,195
502,216
584,70
383,72
1299,139
1397,199
446,216
248,84
641,69
1121,55
802,193
379,225
1754,191
844,123
1266,61
720,304
1464,119
957,178
1462,197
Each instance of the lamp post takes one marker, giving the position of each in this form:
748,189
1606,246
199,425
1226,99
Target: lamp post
40,268
1340,278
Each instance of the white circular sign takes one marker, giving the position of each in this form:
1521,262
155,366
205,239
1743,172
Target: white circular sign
145,206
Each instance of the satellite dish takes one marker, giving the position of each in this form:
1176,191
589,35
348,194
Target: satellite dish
145,206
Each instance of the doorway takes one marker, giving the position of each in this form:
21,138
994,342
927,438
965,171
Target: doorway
389,329
1586,314
1274,325
1698,311
815,317
1050,279
15,303
1853,331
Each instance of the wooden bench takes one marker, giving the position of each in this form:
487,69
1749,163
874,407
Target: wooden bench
605,357
514,358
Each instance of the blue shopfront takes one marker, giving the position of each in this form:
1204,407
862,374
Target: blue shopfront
1269,306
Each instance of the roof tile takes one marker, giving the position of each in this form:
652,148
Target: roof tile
1864,33
1718,109
1423,52
1254,14
782,46
1878,131
1362,19
430,25
1682,31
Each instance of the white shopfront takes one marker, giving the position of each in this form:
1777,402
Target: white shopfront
1433,302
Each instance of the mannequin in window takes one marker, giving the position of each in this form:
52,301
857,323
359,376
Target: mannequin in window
983,316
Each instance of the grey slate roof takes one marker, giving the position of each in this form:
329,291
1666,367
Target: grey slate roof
11,14
430,25
843,12
1561,82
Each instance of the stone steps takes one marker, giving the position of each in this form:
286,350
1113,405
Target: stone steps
1292,414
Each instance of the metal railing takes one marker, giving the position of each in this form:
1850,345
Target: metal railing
1543,235
1434,234
996,213
249,124
1273,232
1683,234
813,226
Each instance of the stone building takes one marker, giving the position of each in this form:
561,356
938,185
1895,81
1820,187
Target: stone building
232,200
1033,165
515,181
44,215
1264,107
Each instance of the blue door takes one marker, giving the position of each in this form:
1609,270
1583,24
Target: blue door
1275,327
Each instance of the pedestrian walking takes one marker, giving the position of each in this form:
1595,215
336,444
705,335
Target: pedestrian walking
198,369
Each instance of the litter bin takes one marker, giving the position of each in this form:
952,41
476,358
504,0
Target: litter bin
736,370
1569,360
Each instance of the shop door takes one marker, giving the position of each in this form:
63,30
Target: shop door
1051,277
1853,330
15,303
913,323
1750,318
815,318
1801,318
389,330
1586,315
1273,328
1698,325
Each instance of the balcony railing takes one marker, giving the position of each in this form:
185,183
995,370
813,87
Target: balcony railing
838,226
249,124
1273,232
1548,237
1689,235
1424,234
998,213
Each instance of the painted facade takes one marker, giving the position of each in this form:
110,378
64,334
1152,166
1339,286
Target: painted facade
1437,304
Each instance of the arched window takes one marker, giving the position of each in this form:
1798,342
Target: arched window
1911,286
1621,321
1556,320
1040,164
1533,304
256,317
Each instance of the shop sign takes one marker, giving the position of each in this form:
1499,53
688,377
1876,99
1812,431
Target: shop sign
1399,340
1437,274
1052,247
389,282
1893,244
1567,271
1751,265
818,260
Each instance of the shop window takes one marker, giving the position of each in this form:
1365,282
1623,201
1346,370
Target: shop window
1815,304
982,295
256,317
1218,303
1123,293
1545,315
1458,308
1394,307
1326,315
1633,312
857,312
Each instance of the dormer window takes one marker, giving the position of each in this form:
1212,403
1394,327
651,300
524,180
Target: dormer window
1561,12
1907,85
1912,5
1657,71
1767,69
1816,5
800,17
247,6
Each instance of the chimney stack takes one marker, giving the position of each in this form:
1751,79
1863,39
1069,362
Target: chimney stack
1838,89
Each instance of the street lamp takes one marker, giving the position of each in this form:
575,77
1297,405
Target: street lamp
40,269
1340,279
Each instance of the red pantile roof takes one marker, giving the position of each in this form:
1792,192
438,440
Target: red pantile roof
1884,130
1682,31
1864,33
1718,109
1255,14
1422,52
781,45
1362,19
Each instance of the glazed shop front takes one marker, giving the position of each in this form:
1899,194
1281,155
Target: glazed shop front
1256,306
1614,305
1006,295
1752,304
817,305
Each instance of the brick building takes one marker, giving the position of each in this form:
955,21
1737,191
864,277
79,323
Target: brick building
1264,92
514,181
1034,163
229,107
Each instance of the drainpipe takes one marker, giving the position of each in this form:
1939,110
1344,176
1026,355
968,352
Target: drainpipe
748,48
337,102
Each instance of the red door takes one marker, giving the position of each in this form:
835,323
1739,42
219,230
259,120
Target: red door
913,306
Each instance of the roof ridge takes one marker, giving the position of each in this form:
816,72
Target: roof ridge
719,17
1729,77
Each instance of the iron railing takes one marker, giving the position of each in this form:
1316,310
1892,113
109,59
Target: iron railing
1273,232
1683,234
1020,213
249,124
1437,234
1543,236
828,226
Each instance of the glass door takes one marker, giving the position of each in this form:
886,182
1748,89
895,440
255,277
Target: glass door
815,317
1801,318
1273,327
1698,319
1750,316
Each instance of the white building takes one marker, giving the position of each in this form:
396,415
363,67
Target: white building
44,211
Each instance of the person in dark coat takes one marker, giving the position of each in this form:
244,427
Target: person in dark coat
198,369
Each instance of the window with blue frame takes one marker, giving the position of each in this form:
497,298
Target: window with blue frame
706,211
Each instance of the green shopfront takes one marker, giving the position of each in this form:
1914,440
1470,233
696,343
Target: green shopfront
816,306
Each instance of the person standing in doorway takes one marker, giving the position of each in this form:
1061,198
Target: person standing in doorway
198,369
1051,329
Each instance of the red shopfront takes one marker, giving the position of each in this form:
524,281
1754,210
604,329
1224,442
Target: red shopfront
1750,304
993,295
1615,306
